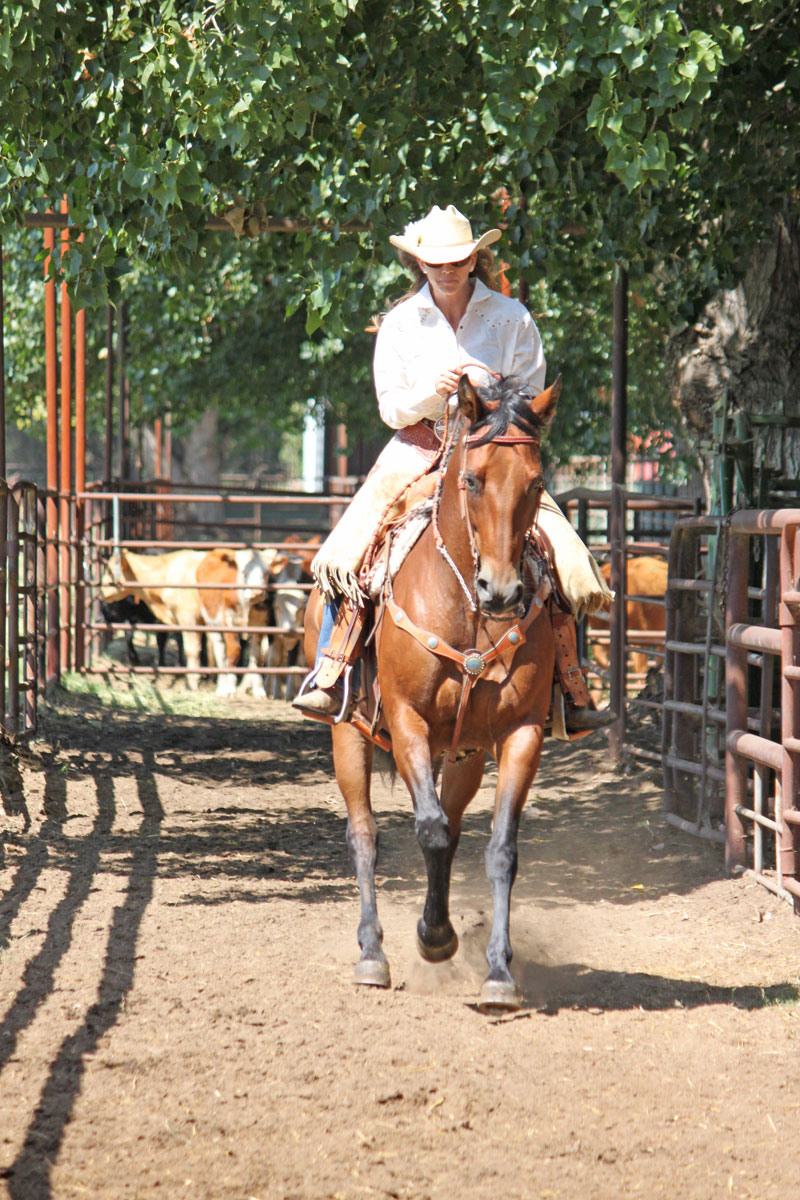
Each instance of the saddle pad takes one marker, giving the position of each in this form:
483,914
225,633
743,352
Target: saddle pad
404,538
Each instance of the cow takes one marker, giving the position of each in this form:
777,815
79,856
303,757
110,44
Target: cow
645,576
286,606
133,613
167,584
244,574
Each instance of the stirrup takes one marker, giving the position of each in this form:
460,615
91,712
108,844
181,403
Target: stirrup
308,684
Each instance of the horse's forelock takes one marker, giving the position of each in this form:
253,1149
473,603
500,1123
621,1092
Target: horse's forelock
506,402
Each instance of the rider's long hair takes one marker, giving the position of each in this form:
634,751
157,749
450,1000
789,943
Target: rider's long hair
486,269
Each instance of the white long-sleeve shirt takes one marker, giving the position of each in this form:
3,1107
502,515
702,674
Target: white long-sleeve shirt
416,342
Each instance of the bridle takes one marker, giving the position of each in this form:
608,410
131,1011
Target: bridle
453,437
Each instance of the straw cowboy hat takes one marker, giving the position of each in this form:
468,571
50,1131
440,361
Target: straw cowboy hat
445,235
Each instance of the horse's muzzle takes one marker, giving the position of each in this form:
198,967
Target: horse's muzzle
498,600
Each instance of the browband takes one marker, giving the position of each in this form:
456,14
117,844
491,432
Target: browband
505,439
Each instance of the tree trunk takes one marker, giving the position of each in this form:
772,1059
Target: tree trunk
743,357
201,464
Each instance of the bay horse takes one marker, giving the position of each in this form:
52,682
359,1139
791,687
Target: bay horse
464,584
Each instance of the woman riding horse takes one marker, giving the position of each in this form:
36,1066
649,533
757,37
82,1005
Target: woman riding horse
453,322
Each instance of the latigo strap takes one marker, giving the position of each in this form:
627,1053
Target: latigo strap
567,667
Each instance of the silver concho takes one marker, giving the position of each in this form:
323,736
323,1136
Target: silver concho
440,427
473,663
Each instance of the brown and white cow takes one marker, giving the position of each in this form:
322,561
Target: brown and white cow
167,584
286,606
244,574
645,576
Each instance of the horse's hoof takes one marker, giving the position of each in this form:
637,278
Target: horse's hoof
499,996
437,951
373,973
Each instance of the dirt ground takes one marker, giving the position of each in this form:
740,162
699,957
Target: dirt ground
177,938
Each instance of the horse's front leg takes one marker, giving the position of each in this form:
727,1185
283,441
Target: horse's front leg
517,758
436,938
352,760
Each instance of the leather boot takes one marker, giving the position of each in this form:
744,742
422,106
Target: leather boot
327,701
583,719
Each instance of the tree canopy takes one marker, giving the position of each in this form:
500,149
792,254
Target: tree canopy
638,132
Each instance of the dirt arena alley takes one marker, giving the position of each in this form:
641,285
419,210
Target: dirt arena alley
177,938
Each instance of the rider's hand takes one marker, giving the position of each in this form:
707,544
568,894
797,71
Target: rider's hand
447,382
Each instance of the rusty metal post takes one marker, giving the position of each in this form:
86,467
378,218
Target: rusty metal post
158,438
617,517
3,504
13,614
169,533
52,659
788,852
64,505
168,447
583,534
341,451
735,701
122,426
109,395
80,486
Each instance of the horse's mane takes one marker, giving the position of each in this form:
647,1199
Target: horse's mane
507,400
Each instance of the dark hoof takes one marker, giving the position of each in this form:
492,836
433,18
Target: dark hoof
499,996
436,945
373,973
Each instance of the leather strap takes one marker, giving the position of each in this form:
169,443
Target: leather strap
345,645
569,672
471,663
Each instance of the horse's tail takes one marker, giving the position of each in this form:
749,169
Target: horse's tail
383,762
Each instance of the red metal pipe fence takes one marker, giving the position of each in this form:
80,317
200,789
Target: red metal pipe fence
730,736
777,811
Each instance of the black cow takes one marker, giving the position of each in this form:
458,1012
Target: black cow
136,612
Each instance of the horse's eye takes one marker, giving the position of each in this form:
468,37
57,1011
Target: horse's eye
470,482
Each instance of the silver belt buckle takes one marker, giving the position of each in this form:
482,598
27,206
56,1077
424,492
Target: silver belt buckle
439,428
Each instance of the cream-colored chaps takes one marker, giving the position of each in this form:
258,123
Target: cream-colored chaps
336,566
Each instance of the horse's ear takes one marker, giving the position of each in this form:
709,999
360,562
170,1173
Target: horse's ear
544,405
469,402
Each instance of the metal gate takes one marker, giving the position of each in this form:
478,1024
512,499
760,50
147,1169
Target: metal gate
731,727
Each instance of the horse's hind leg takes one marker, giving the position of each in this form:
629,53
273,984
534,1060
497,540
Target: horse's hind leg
517,763
352,760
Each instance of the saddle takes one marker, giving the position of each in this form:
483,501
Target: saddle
353,642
